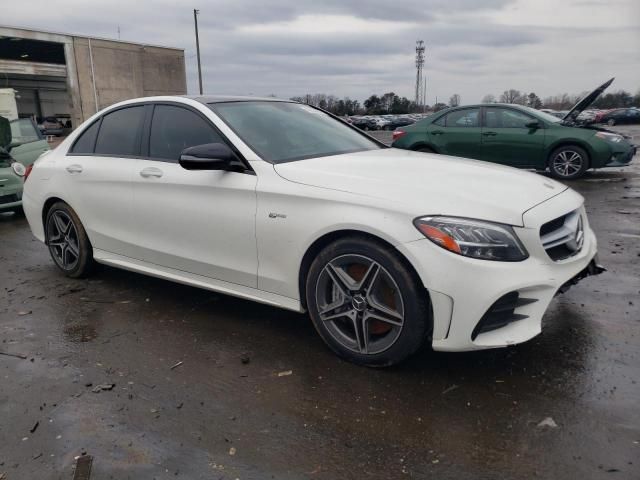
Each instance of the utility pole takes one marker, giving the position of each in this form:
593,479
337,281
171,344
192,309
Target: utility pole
195,21
420,87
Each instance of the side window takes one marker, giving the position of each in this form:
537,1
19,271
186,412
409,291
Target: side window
174,128
496,117
514,119
87,140
464,118
119,132
440,121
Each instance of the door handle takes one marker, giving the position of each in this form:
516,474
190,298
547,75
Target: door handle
437,132
75,168
489,134
151,172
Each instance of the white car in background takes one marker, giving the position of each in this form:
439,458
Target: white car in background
281,203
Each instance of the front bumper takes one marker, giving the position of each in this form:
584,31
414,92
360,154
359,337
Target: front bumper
9,201
622,159
462,290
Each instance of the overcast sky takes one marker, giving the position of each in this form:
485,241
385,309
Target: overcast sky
357,48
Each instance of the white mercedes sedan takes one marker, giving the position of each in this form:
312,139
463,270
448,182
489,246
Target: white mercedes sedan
282,203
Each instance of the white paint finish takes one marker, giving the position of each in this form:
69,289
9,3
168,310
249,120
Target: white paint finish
102,196
194,280
428,184
201,222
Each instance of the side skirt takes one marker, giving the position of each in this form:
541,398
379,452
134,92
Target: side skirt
199,281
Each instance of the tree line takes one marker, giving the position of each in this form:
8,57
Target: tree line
387,103
618,99
390,103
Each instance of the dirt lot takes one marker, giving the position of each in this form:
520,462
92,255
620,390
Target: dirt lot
227,411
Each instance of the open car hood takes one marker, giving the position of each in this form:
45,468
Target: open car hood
584,102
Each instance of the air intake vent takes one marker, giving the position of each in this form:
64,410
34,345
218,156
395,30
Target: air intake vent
502,313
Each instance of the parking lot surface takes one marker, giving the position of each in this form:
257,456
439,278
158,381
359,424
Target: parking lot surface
159,380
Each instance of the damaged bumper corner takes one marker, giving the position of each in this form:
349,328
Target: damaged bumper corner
593,268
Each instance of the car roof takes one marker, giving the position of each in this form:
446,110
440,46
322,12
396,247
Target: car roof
478,105
206,99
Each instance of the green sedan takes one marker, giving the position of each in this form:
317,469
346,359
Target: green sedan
520,137
21,143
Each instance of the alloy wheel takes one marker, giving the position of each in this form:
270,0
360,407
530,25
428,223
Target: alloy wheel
62,239
360,304
567,163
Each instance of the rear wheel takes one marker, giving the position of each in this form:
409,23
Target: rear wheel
611,122
568,162
366,304
67,240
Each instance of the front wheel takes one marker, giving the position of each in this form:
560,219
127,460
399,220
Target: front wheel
366,304
425,150
611,122
568,162
68,242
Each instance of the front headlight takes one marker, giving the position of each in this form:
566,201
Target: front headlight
18,168
611,137
473,238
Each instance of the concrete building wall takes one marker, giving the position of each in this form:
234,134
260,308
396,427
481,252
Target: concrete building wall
123,70
97,73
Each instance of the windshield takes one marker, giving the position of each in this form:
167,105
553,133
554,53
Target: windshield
283,132
547,117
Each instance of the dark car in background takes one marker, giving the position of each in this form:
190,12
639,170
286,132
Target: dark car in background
621,116
51,126
520,137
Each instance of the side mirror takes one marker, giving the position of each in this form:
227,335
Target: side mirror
210,156
533,125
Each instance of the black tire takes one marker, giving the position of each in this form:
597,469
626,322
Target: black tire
394,284
68,242
611,122
425,150
568,162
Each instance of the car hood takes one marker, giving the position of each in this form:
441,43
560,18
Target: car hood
428,184
584,102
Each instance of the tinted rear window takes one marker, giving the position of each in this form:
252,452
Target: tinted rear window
119,132
87,139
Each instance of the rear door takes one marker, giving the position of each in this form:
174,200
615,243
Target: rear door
509,139
457,133
97,171
196,221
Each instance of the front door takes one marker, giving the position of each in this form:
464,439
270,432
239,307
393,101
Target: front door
200,222
509,138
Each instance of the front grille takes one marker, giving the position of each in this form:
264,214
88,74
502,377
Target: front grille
502,313
563,237
4,199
